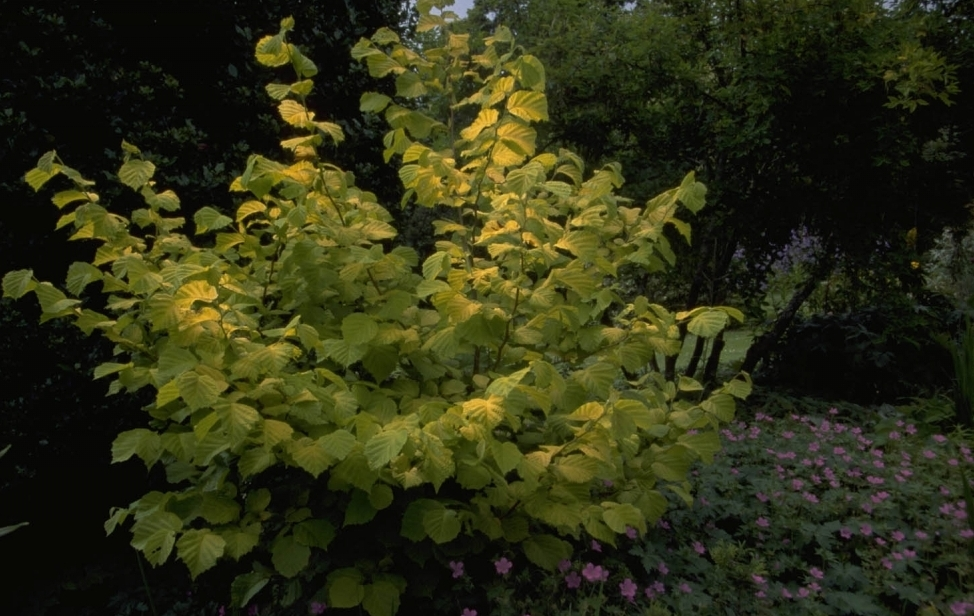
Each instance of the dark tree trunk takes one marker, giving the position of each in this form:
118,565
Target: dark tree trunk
764,343
713,361
695,358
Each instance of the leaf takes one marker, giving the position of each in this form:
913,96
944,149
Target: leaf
155,535
384,446
338,444
530,106
345,588
547,551
530,72
36,178
254,461
311,456
271,51
373,102
136,173
575,468
441,525
240,542
174,361
246,586
314,533
289,556
69,196
17,283
358,328
193,291
704,444
107,368
80,275
708,323
619,517
200,549
141,442
295,114
506,455
692,194
381,598
209,219
199,390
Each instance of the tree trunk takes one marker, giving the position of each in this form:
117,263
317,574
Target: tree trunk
695,358
764,343
710,370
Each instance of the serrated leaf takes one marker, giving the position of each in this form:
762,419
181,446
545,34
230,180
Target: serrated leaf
250,208
38,177
200,549
381,599
68,196
314,533
193,291
246,586
708,323
17,283
136,173
209,219
704,444
199,390
141,442
441,525
338,444
107,368
240,542
254,461
575,468
358,328
155,535
80,275
174,361
619,517
547,551
295,114
270,51
528,105
373,102
311,456
384,446
289,556
345,588
506,455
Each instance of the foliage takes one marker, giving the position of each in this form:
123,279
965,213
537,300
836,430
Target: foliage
328,410
799,514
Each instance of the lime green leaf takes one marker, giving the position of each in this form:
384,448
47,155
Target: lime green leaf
80,275
239,420
442,525
582,243
271,51
502,386
381,599
575,468
722,406
345,588
303,66
380,497
249,208
208,219
692,194
289,556
275,432
135,173
381,65
141,442
200,549
338,444
103,370
620,516
311,456
359,509
278,91
410,85
373,102
708,323
506,455
240,542
547,550
174,361
199,390
597,378
18,283
155,535
384,446
358,328
295,114
672,463
38,177
704,444
530,72
254,461
193,291
527,105
69,196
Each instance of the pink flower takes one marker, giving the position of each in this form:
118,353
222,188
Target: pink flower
845,532
920,535
594,573
698,548
757,578
810,497
662,568
685,588
960,608
631,532
803,592
317,607
897,536
572,580
628,590
503,566
894,436
457,568
564,565
762,522
929,454
866,530
786,593
761,496
816,573
469,612
940,438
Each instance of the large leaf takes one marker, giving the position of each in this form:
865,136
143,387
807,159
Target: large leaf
708,323
384,446
135,173
546,550
441,525
381,598
155,535
345,588
289,556
358,328
17,283
527,105
200,549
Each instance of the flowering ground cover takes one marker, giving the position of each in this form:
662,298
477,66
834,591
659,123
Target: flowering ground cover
802,514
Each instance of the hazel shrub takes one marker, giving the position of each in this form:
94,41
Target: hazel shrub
801,514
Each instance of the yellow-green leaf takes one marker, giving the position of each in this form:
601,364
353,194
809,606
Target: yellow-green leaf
135,173
200,549
528,105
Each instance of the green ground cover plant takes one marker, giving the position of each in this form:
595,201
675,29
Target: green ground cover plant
337,418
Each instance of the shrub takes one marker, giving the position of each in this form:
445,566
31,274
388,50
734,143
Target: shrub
344,419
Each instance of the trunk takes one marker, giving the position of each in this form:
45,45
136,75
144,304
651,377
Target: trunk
764,343
710,370
695,358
